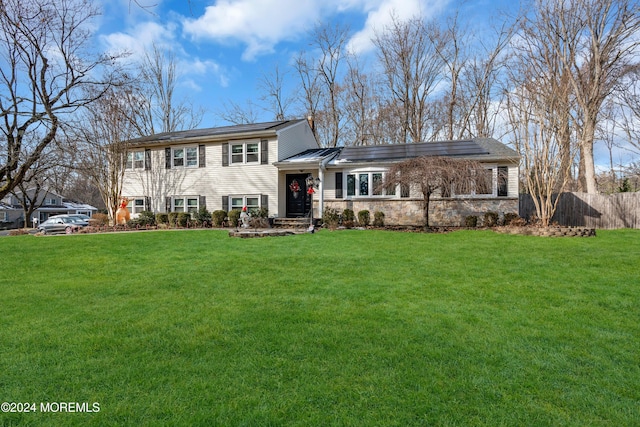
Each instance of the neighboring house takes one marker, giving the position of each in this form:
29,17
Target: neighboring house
50,204
266,165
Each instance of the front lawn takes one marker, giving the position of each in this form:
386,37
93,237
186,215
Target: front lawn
345,328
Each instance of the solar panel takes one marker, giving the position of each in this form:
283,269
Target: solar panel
403,151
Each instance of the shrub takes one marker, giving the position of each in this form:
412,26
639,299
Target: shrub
183,219
378,219
490,219
348,218
262,212
217,217
99,219
258,222
162,218
331,218
234,217
471,221
348,215
18,232
202,217
173,218
364,218
510,217
146,218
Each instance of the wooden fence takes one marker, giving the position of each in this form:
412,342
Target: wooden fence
603,211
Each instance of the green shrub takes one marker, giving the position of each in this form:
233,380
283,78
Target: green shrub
490,219
202,217
471,221
378,219
364,218
510,218
331,218
348,215
173,219
234,217
183,219
217,217
262,212
162,218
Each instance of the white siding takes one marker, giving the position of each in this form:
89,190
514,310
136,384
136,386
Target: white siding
294,140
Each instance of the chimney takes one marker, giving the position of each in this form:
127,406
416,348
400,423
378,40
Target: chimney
311,124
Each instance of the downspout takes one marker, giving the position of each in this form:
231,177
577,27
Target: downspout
321,168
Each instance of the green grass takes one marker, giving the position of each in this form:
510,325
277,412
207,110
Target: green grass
346,328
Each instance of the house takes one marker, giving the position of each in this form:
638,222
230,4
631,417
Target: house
350,176
266,165
48,202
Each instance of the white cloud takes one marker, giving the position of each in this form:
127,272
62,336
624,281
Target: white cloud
140,38
379,17
258,24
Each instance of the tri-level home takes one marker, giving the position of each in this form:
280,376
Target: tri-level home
269,165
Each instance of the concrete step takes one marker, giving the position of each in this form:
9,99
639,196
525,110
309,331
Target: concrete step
291,222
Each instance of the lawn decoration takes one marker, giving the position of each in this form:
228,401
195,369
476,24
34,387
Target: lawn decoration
122,214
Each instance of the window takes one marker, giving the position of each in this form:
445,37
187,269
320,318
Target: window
478,186
251,202
136,206
367,184
237,153
245,153
253,155
192,156
178,157
351,185
503,181
182,157
51,201
189,204
364,184
138,159
3,216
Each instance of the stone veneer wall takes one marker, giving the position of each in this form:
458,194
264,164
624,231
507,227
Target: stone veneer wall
442,212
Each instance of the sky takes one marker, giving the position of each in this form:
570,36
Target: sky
224,47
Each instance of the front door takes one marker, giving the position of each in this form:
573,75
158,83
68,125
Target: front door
298,202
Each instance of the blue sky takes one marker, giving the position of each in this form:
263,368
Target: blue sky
225,46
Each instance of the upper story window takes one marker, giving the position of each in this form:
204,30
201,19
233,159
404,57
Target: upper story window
239,153
135,160
245,153
185,157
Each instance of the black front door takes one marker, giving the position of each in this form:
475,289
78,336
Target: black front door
298,202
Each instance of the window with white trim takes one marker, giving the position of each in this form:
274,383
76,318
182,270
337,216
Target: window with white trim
3,216
246,152
185,204
367,184
184,157
475,187
136,206
238,202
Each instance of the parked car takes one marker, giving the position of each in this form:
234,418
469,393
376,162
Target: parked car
62,224
83,217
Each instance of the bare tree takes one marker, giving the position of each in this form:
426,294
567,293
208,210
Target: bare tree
159,111
46,64
412,68
442,175
537,130
237,114
605,32
273,93
102,139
